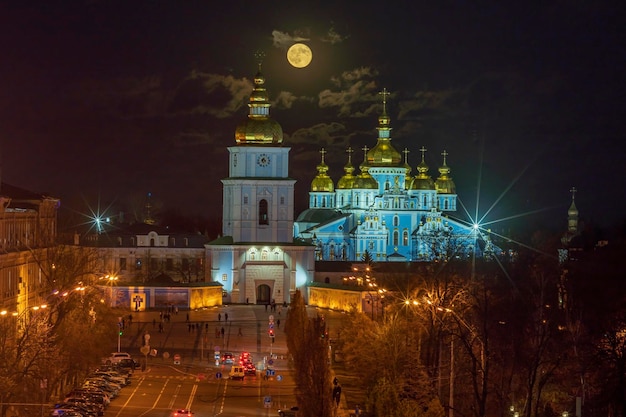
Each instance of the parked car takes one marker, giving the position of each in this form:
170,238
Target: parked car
292,412
65,412
116,357
128,364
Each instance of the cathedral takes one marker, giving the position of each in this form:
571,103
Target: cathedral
257,260
385,214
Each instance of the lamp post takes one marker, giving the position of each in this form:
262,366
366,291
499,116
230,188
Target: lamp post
110,280
482,355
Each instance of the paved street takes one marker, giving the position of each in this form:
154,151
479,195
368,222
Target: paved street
193,336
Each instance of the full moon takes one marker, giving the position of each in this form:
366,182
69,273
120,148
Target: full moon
299,55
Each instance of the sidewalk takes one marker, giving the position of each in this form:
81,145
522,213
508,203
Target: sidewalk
195,335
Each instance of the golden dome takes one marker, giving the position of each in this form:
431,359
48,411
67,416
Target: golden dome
347,181
422,180
444,183
383,154
322,182
259,132
364,180
259,128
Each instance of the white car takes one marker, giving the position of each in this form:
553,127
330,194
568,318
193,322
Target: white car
116,357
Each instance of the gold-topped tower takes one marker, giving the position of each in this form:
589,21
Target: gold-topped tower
444,183
422,180
347,181
322,181
383,153
259,128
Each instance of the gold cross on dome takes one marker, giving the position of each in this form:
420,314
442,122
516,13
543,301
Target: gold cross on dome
259,55
384,93
444,153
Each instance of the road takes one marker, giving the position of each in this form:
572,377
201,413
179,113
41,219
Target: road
162,386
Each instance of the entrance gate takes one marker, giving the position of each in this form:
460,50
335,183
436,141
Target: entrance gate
263,294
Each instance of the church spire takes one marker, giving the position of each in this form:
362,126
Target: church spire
572,213
322,181
383,154
407,174
259,128
347,181
422,180
444,183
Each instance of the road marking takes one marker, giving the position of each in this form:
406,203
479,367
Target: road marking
171,404
191,396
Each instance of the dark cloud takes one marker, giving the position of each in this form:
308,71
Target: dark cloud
137,86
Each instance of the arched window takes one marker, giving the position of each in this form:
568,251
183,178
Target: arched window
396,221
263,219
396,237
405,238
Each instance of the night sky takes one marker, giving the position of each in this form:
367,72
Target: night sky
110,100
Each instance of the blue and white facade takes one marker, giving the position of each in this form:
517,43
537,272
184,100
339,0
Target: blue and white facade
386,214
257,260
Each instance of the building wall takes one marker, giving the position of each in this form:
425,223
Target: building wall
28,225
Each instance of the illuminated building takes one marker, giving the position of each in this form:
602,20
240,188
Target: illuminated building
384,214
28,227
257,260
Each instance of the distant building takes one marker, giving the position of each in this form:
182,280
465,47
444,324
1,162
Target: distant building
145,254
384,214
571,240
28,227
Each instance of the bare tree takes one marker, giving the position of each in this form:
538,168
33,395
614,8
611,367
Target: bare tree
308,345
27,350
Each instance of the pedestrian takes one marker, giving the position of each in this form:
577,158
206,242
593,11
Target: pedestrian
280,310
357,411
226,317
265,306
222,332
176,310
278,323
187,317
336,395
160,327
247,300
153,323
240,333
219,316
206,327
217,332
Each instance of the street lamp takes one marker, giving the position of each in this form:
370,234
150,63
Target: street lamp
110,280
